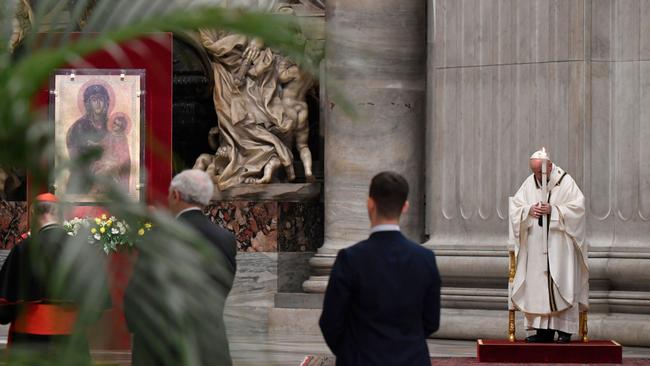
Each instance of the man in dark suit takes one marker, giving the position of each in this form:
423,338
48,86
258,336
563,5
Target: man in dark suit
383,296
189,330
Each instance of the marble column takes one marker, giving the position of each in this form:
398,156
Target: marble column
375,65
507,77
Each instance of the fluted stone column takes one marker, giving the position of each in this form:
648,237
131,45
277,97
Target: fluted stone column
375,60
508,76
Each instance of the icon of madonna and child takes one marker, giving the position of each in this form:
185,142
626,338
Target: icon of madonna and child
106,132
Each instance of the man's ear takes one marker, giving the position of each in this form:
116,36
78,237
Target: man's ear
173,195
405,207
371,204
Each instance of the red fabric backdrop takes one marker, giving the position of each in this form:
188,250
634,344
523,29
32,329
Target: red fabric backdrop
154,54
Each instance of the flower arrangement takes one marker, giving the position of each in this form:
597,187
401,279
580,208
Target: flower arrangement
107,231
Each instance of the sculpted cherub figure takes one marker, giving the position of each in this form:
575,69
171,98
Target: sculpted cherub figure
294,124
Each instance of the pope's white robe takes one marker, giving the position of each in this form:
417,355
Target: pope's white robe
550,302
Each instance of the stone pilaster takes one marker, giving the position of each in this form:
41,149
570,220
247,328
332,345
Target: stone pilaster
375,63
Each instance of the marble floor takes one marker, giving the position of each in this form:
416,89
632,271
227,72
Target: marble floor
273,349
288,350
291,349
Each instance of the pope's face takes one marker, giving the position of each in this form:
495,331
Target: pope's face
97,103
536,168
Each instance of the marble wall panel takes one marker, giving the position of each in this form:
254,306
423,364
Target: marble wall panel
506,37
525,13
471,31
489,120
269,226
620,30
578,47
293,270
626,31
489,32
573,75
300,227
255,224
617,178
601,43
588,103
506,91
644,30
248,303
13,222
545,26
644,138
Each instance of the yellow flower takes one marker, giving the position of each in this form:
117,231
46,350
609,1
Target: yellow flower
102,229
103,216
109,223
141,232
147,225
97,220
93,230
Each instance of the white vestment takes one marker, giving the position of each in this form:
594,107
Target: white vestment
551,284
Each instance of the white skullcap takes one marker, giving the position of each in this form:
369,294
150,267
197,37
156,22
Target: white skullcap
540,154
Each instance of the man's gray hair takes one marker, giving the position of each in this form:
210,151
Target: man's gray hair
194,186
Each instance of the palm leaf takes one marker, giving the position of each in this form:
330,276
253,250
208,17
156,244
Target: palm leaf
172,296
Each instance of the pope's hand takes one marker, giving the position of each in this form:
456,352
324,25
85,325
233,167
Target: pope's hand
539,209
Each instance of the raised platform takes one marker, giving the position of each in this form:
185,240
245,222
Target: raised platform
574,352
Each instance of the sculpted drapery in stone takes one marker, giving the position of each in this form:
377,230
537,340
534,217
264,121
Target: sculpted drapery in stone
259,99
22,23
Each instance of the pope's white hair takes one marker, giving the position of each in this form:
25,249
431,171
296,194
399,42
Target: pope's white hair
194,186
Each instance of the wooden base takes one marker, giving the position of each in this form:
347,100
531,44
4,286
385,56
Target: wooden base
574,352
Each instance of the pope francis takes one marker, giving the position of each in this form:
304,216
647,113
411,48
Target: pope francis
551,284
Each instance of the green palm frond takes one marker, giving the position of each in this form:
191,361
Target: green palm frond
173,297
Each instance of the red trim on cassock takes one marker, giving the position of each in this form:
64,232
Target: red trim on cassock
45,319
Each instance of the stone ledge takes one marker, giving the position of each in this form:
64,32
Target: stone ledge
629,273
298,300
490,249
294,321
628,302
627,329
285,192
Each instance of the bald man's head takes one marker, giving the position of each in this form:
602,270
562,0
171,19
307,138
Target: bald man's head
536,168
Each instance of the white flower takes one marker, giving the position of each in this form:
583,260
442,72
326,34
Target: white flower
114,231
97,236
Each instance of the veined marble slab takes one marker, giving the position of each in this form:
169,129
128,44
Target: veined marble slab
256,283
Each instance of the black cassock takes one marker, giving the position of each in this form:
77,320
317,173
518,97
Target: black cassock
41,293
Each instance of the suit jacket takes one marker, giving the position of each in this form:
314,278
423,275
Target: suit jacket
218,236
213,349
382,302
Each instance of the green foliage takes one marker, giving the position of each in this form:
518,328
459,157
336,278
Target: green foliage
182,268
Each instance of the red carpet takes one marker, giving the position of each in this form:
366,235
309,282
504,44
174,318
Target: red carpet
321,360
595,352
467,361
